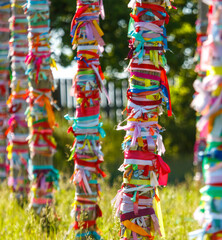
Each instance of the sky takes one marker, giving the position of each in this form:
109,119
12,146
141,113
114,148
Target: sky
56,42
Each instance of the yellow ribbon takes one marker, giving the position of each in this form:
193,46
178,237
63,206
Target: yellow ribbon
84,144
53,64
17,86
99,30
214,71
147,82
9,150
159,214
16,5
136,181
155,119
89,159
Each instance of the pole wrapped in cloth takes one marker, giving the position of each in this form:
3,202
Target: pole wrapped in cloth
17,132
86,152
39,114
148,94
209,212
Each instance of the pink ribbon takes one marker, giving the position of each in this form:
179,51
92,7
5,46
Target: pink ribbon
100,80
96,35
81,178
149,26
137,128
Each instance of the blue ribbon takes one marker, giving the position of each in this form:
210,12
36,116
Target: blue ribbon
135,90
165,93
95,235
140,47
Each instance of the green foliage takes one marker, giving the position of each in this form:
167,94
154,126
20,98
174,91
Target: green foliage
64,144
178,204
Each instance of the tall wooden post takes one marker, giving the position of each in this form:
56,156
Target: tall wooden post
4,81
87,38
210,92
148,93
18,149
40,116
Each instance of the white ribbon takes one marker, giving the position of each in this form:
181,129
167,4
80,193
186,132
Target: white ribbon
153,179
81,176
116,201
160,146
138,162
101,81
132,4
138,110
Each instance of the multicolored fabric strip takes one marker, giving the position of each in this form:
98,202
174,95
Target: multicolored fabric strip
87,129
148,94
200,143
17,132
209,213
4,82
39,114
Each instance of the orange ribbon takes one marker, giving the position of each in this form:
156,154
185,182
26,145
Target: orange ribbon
137,229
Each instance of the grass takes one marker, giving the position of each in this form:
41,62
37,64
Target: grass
178,200
178,204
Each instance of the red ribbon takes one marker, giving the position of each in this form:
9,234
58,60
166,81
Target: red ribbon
79,12
162,167
44,134
2,89
90,164
83,225
88,52
154,8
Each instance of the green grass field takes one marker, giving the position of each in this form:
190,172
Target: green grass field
178,204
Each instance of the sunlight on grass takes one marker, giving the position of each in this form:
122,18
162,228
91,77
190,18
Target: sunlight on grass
178,204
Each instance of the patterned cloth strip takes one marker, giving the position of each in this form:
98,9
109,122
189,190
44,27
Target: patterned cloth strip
209,90
148,95
88,82
17,132
4,82
39,114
